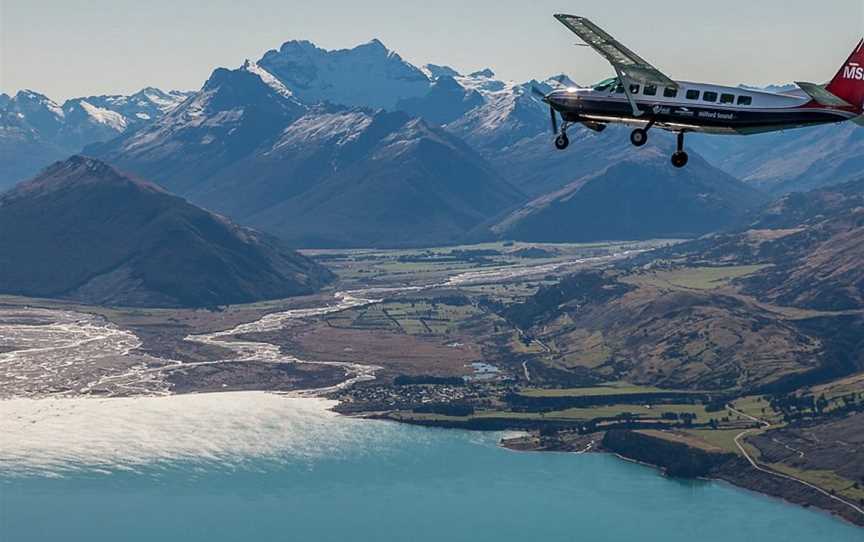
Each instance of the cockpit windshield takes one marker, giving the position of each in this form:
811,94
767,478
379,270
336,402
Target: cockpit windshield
606,84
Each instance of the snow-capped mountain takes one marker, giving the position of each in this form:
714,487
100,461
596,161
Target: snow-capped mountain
445,102
234,113
491,115
317,175
369,75
283,145
510,127
37,111
351,177
506,122
145,105
509,112
35,130
23,149
114,113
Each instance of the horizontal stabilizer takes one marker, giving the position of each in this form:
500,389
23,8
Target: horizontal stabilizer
822,96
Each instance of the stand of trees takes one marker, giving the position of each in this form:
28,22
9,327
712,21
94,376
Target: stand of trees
797,407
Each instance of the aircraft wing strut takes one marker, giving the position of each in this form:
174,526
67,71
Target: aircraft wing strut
625,61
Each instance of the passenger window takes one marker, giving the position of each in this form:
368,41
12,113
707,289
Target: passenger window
634,89
670,92
619,89
650,90
727,98
745,100
692,94
710,96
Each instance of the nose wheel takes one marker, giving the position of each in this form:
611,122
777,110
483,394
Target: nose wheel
680,158
562,141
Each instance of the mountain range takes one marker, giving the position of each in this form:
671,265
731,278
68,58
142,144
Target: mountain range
84,231
357,147
316,175
400,156
35,131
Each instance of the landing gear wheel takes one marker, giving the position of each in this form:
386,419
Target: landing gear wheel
639,137
562,142
680,159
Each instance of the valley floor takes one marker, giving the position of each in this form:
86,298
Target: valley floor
430,337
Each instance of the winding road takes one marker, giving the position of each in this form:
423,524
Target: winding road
765,426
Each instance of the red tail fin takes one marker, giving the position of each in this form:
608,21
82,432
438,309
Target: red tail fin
849,81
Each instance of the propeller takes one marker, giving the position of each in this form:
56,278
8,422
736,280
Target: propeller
542,95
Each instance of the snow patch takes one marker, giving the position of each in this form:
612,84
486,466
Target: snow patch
268,79
341,128
107,117
162,102
433,71
44,101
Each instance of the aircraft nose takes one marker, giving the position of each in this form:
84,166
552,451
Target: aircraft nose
562,99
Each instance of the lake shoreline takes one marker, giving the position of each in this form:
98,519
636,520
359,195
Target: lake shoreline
734,471
525,442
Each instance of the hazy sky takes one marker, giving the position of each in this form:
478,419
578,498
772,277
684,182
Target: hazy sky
83,47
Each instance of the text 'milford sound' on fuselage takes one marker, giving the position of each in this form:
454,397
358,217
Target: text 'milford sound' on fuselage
642,96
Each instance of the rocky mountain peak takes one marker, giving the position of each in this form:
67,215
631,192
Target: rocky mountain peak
368,75
487,72
433,71
76,171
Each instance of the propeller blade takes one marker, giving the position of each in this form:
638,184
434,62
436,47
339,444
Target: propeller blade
554,120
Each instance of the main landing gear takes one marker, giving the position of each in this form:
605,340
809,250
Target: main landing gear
680,158
639,137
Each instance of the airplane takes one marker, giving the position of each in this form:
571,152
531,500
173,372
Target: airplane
642,96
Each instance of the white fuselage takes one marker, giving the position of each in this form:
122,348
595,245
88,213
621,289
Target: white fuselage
693,107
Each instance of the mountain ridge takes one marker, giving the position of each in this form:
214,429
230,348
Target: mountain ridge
84,231
35,130
635,198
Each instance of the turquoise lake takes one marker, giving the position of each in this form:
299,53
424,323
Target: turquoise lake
269,468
